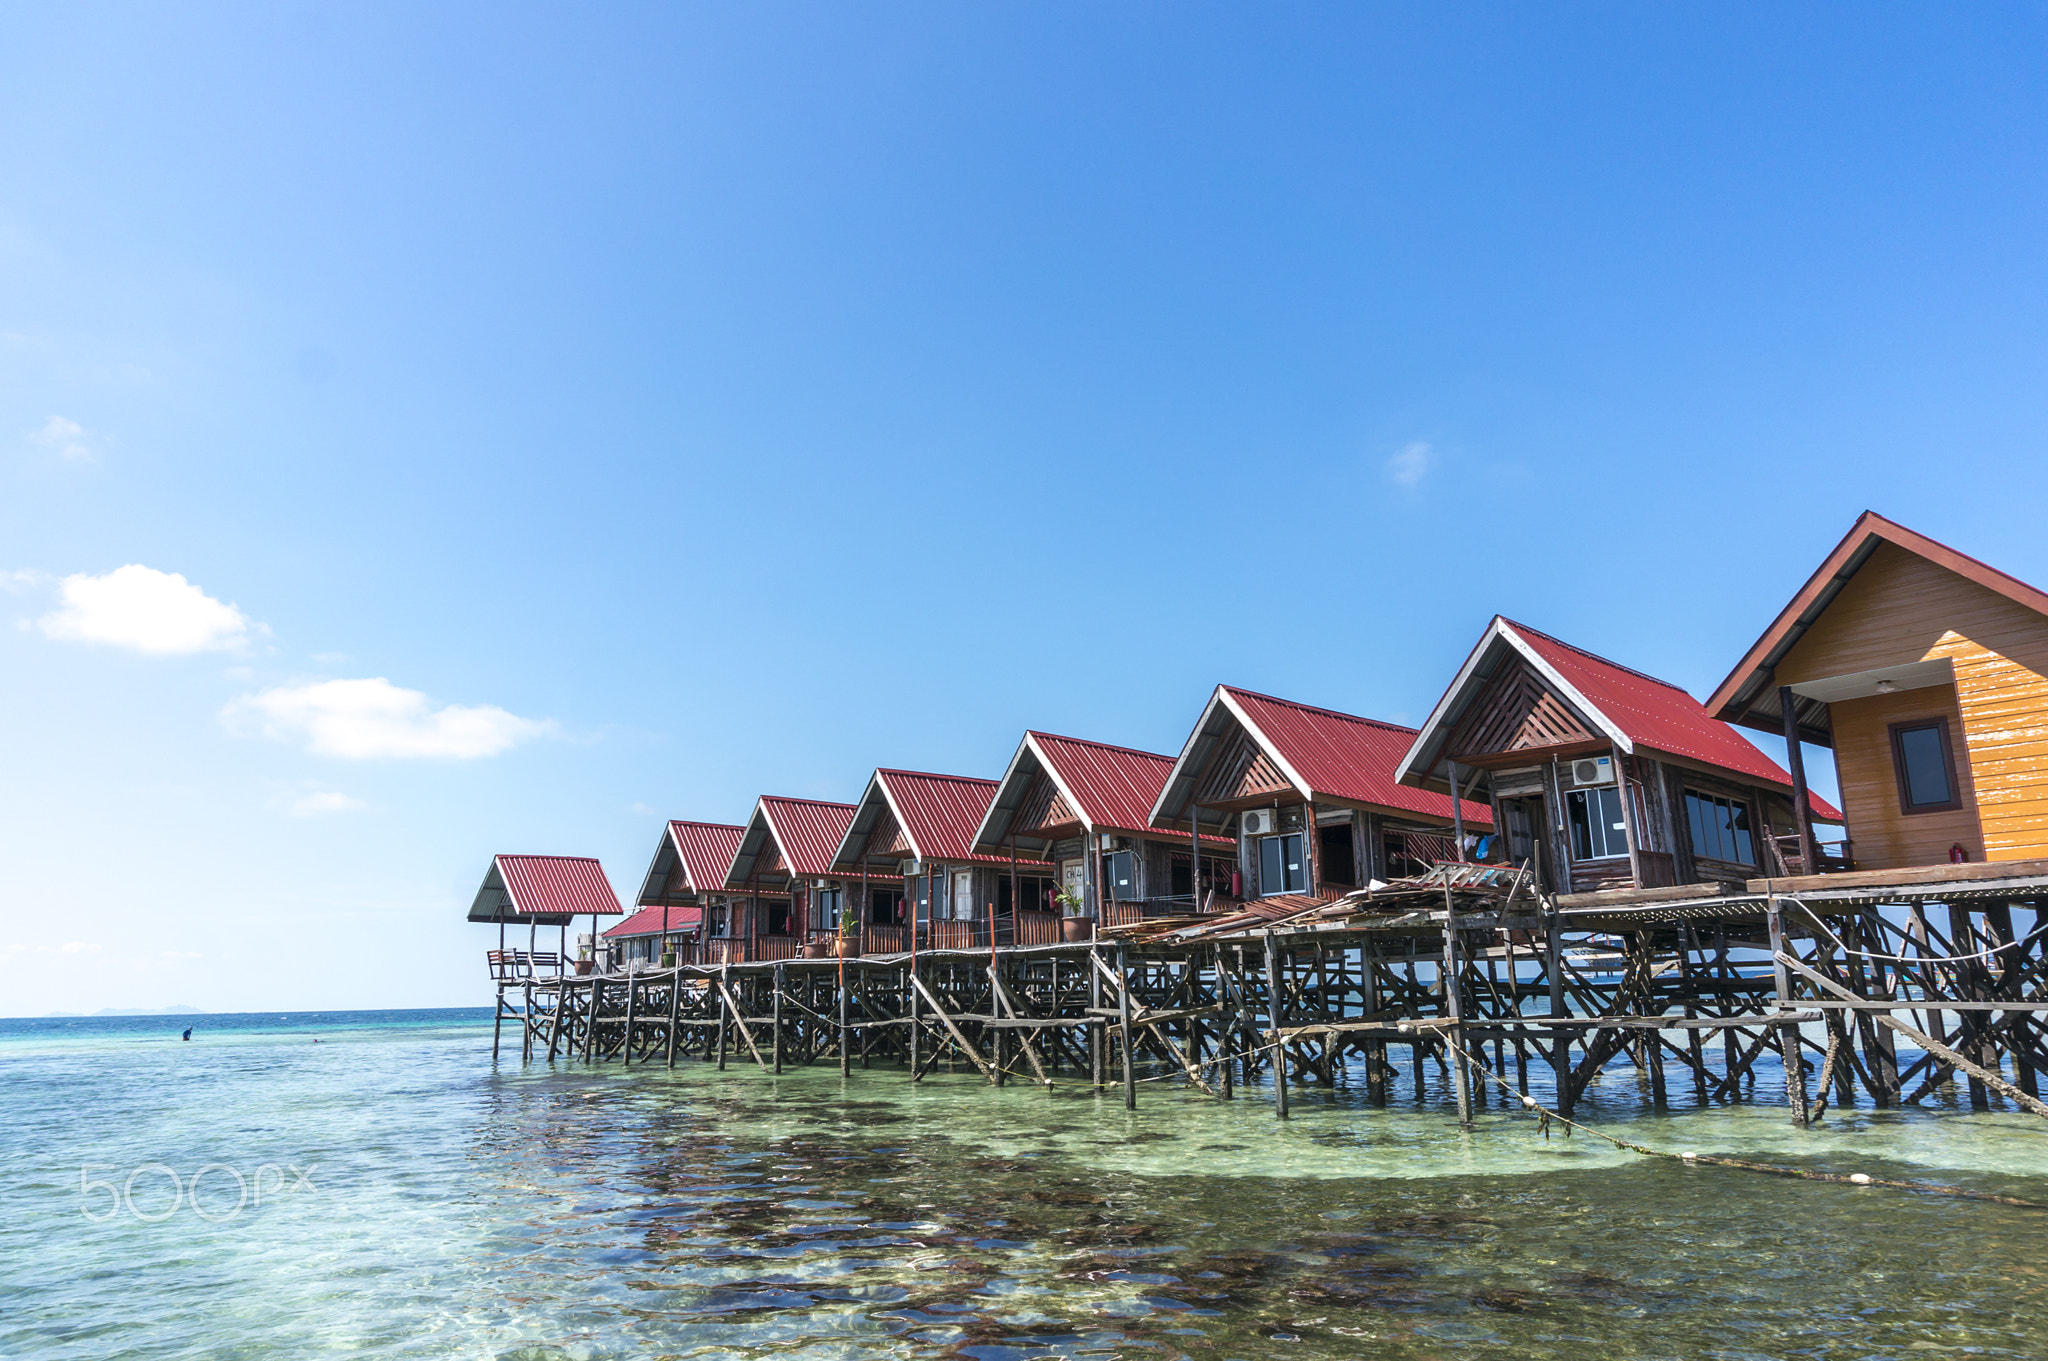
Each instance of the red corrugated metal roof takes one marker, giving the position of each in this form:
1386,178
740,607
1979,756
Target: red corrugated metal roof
807,831
557,886
1657,714
706,850
939,813
647,922
1344,756
1113,787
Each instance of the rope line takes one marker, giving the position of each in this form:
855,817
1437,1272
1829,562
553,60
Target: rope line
1923,957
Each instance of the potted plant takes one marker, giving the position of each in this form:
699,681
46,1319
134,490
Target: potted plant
668,954
583,960
1073,926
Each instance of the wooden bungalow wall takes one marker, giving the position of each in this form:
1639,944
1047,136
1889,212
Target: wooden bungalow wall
1901,608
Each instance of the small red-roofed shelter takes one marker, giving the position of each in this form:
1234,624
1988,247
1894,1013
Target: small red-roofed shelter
917,829
543,890
1599,775
1086,807
1310,793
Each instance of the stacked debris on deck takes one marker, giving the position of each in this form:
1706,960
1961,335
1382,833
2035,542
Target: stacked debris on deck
1463,887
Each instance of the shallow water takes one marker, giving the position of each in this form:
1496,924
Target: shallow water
422,1205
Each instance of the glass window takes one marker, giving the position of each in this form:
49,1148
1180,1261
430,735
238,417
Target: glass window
1598,832
1281,869
1720,828
1920,750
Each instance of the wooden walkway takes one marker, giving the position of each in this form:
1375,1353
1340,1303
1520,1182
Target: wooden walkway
1690,988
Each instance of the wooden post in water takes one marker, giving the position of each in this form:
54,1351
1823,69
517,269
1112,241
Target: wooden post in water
1273,1014
1788,1033
1454,1008
626,1047
845,1042
1123,1007
590,1019
675,1005
724,1008
498,1021
775,1009
1095,1023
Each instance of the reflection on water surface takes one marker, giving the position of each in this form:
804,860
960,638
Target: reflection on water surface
594,1213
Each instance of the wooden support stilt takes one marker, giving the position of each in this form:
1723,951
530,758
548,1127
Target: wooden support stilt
775,1007
1274,1019
1123,1007
675,1004
626,1046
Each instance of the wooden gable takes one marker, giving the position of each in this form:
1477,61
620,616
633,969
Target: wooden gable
1242,770
1045,809
887,836
1518,712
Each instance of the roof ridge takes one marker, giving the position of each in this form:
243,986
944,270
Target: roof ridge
693,822
791,798
1319,709
1091,742
1946,548
1594,656
934,775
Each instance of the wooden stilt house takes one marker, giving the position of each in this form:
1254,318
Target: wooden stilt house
923,826
1085,809
784,892
1926,673
683,894
1311,797
538,891
1600,776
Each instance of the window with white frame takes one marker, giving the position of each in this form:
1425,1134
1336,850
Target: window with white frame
1598,831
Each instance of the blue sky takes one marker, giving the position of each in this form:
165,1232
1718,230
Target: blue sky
578,419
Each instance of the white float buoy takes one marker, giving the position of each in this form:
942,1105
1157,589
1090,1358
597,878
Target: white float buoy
1530,1102
1688,1155
1860,1178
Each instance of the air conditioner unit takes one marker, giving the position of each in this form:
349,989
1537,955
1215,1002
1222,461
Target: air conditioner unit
912,868
1591,770
1116,843
1260,821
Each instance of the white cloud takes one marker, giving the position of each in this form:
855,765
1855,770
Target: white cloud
1411,464
324,801
79,947
66,437
641,809
14,583
139,607
362,720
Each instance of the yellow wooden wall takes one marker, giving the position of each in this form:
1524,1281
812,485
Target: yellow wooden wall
1899,608
1884,836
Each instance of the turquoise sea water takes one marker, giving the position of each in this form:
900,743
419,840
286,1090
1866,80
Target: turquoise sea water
398,1197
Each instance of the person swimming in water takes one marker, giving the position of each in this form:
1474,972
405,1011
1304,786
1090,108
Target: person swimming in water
188,1033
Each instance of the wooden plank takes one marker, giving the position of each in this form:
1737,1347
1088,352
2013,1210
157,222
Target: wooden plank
1624,897
1915,877
1926,1042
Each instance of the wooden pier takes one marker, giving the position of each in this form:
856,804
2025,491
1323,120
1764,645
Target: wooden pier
1903,984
